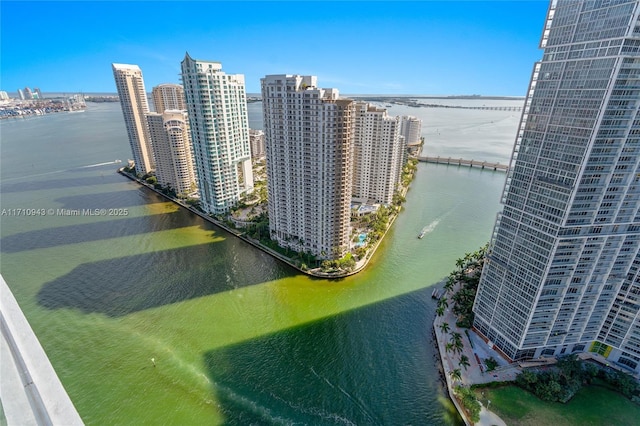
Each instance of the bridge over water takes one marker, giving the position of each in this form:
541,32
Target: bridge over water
463,162
491,108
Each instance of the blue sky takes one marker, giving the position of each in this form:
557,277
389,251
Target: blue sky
359,47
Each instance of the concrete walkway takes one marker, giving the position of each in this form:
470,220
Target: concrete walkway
30,391
489,418
476,350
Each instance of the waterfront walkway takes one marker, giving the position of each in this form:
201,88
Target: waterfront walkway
30,391
241,234
476,351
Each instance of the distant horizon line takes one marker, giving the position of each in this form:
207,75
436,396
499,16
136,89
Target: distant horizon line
357,95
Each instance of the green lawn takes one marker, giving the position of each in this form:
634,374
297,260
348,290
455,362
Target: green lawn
592,405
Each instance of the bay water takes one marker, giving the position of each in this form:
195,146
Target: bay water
236,337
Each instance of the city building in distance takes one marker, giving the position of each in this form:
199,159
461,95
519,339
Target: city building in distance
133,100
171,139
563,272
168,96
377,155
217,108
410,129
256,138
309,142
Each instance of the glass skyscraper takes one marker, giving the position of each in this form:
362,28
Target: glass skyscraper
563,269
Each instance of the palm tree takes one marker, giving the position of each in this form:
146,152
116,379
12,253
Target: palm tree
443,302
460,263
450,283
440,310
456,375
448,347
444,327
464,362
458,346
456,340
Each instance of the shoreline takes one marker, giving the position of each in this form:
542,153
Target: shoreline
360,265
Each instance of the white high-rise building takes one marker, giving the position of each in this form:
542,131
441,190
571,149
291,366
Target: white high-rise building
4,96
168,96
171,138
377,154
309,143
411,129
133,100
217,107
563,272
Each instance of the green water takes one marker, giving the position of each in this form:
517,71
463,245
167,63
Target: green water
237,337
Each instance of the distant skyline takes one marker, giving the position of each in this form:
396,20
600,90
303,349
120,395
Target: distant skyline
360,47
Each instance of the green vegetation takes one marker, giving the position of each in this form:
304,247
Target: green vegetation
592,405
408,171
130,170
561,382
491,363
466,277
469,401
346,263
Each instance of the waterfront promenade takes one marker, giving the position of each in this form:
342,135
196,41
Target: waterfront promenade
476,350
316,272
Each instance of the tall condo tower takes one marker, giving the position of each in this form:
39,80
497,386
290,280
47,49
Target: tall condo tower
563,268
168,96
171,138
377,154
133,100
308,140
411,129
217,107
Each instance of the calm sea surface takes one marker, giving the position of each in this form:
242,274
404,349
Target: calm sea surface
237,337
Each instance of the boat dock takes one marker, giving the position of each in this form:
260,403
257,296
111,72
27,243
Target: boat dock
463,162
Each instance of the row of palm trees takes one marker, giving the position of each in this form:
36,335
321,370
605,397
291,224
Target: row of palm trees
455,345
463,297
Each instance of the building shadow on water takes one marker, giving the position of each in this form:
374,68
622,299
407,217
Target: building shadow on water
97,231
375,365
110,200
38,185
121,286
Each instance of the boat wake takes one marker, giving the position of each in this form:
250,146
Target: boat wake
61,171
429,228
100,164
432,226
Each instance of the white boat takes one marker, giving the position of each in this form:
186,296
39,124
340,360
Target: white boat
423,232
